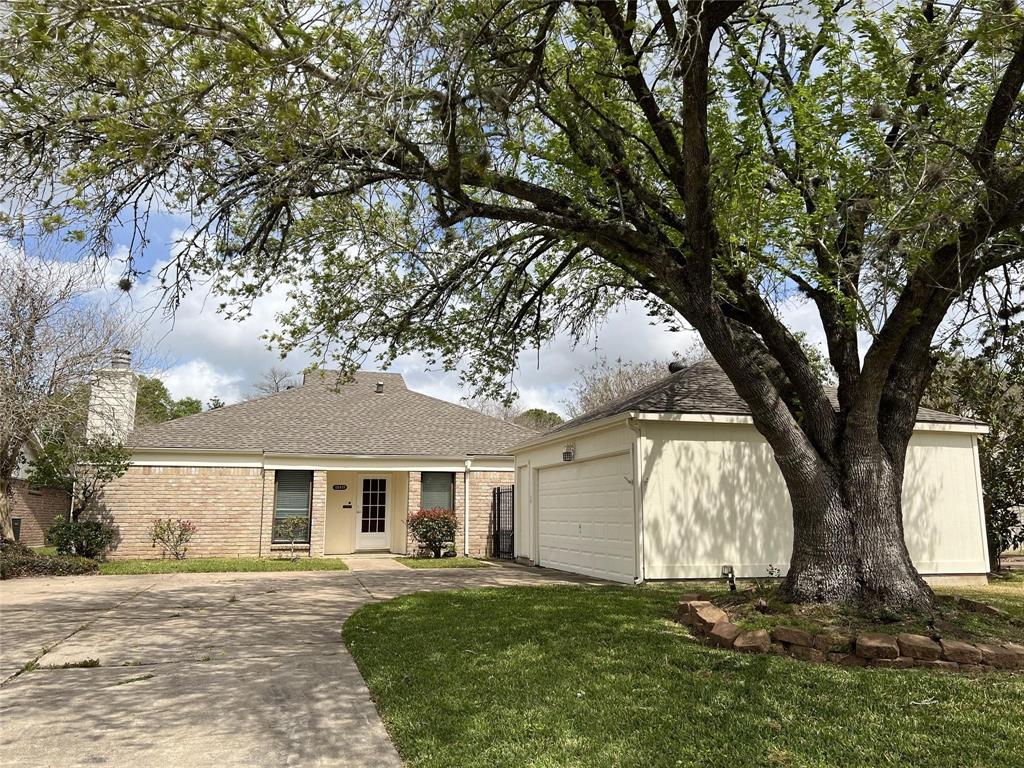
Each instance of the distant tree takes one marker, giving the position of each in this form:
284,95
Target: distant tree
989,386
274,380
53,337
214,403
496,409
154,403
539,419
186,406
605,381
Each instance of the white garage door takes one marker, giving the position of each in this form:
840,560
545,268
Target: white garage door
585,512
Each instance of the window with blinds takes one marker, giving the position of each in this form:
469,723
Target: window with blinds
292,506
437,489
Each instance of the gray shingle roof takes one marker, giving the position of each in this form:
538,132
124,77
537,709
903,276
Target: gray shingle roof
321,418
704,388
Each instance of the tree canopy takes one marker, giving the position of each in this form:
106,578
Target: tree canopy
155,404
468,178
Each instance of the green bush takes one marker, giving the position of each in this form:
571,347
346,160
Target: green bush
434,528
85,538
17,560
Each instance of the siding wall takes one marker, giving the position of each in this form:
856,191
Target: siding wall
224,502
714,495
37,510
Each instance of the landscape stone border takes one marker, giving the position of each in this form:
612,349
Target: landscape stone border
863,649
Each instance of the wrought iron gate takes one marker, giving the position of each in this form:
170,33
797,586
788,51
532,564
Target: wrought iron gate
501,521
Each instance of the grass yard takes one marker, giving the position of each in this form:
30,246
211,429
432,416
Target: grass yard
581,676
442,562
218,565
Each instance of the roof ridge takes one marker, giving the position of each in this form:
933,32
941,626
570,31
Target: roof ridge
472,410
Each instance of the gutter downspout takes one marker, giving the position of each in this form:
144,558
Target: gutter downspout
465,507
638,496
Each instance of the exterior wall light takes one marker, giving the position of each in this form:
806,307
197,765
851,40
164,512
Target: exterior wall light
569,453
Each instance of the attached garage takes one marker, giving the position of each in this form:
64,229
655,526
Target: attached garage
675,482
586,518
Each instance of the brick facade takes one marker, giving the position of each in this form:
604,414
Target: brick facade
233,509
225,503
37,509
481,485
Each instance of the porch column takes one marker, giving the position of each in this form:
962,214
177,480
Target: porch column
318,514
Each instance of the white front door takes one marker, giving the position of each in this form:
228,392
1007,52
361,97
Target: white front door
372,518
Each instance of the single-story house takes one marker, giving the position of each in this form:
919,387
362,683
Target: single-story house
353,461
674,482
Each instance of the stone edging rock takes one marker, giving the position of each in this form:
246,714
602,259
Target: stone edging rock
864,649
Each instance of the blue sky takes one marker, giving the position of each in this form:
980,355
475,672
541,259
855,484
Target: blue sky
199,353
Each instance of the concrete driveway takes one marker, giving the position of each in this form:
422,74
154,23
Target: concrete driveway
221,670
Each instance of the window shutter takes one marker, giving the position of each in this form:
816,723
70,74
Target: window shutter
437,490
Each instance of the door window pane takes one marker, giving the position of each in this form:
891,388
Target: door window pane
374,505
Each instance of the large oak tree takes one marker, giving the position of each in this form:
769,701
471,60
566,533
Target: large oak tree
468,178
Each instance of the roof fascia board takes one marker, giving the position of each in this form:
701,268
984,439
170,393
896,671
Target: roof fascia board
582,429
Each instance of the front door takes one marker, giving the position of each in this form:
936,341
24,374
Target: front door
371,522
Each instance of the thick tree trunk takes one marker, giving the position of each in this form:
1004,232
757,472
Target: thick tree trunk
848,543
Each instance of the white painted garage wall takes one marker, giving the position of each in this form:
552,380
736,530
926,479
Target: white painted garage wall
714,495
596,444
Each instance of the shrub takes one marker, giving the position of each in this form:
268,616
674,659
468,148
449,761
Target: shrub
17,560
173,536
85,538
434,528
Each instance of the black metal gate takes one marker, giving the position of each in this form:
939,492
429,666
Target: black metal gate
501,521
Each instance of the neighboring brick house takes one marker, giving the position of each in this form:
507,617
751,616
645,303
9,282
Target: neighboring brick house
33,510
353,461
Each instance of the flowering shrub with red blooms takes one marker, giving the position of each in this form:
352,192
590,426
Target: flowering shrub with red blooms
172,536
434,528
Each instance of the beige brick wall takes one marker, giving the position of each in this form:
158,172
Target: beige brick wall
480,487
37,509
225,504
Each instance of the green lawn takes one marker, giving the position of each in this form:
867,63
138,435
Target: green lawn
600,676
51,551
443,562
219,564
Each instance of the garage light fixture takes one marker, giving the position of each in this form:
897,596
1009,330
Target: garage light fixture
569,453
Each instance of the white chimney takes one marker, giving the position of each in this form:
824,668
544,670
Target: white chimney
112,399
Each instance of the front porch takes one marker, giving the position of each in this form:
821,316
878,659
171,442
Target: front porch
365,509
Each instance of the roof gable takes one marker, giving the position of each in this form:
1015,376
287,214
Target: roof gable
323,417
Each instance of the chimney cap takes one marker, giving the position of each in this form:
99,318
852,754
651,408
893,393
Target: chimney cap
380,387
121,359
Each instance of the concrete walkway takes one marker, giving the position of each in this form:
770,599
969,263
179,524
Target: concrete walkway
223,670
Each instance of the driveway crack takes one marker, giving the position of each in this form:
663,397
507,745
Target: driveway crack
33,664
